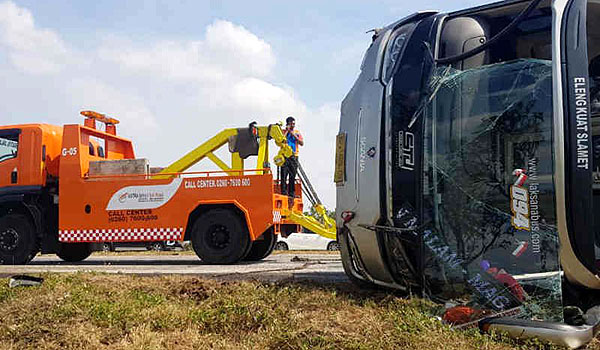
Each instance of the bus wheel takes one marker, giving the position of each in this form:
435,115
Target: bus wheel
17,240
219,236
262,248
74,252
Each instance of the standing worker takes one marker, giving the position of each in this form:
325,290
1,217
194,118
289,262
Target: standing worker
290,167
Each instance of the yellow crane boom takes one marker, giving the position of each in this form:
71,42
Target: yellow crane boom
323,226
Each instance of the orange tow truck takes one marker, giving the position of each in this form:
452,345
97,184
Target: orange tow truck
67,190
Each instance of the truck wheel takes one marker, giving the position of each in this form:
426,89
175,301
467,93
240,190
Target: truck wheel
219,236
17,240
158,246
74,252
262,248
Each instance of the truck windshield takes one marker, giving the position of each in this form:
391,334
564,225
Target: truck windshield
8,146
490,239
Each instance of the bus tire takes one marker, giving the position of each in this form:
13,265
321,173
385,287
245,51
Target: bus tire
220,236
17,239
74,252
262,248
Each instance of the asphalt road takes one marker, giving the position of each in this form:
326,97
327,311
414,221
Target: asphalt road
278,267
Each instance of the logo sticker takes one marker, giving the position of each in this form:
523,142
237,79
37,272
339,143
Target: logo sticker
519,205
406,150
143,197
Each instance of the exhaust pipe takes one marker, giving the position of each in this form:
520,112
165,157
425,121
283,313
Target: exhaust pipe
557,333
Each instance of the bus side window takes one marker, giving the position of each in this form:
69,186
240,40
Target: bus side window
595,85
101,152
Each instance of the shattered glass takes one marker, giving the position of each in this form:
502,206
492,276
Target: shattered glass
490,240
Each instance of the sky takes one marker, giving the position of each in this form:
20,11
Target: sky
177,72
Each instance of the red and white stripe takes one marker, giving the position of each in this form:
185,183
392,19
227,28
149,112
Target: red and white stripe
521,248
121,234
276,216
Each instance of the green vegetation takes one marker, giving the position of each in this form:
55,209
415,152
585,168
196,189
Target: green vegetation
101,311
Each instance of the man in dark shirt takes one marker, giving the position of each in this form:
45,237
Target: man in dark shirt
290,167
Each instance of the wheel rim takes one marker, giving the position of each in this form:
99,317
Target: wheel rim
281,246
106,247
157,246
9,240
219,237
333,246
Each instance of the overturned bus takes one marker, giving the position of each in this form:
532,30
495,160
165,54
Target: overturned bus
467,162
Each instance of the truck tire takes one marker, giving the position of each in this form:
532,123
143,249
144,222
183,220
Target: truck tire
220,236
108,247
18,243
262,248
158,246
74,252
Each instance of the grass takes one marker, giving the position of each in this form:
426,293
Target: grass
100,311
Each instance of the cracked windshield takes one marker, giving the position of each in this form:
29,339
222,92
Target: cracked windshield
491,240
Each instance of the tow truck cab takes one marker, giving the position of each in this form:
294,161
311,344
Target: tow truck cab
29,155
468,156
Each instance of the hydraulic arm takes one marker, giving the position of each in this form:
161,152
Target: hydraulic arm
253,140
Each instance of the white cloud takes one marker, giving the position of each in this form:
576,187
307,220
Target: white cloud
32,50
255,95
235,47
227,51
170,95
135,117
180,61
319,128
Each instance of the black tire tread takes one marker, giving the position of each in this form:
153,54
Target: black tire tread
29,249
74,252
238,229
262,248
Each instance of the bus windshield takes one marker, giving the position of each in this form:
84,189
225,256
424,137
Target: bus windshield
490,239
489,191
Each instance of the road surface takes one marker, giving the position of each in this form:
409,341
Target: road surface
277,267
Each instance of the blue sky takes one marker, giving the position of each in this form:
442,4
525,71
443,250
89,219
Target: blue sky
318,43
177,72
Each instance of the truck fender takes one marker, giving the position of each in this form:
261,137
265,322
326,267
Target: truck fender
203,206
